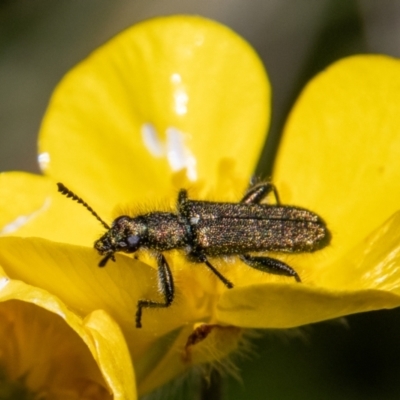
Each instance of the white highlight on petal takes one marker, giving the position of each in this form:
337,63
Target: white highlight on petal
24,219
44,160
4,282
178,155
176,78
181,98
191,168
150,139
199,40
174,149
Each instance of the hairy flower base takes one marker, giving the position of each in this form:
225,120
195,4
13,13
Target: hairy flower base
178,352
208,342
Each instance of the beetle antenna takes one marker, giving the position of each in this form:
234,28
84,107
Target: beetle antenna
66,192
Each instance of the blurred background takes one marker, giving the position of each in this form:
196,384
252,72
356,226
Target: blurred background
40,40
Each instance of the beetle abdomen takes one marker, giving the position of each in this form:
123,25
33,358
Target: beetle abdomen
225,228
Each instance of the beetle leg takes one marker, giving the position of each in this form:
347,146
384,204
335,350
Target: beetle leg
166,287
270,265
202,258
256,193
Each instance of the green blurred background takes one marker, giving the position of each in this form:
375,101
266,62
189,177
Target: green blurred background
40,40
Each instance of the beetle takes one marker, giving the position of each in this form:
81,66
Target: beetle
206,229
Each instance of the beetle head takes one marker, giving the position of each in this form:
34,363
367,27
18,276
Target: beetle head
125,235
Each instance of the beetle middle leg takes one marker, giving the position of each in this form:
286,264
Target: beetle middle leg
201,258
225,281
256,193
166,287
270,265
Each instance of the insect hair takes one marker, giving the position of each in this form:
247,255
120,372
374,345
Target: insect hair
144,207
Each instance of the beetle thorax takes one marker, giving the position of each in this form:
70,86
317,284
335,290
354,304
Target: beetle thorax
164,231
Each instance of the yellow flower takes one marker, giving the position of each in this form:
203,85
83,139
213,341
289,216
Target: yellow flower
49,352
340,158
184,102
165,125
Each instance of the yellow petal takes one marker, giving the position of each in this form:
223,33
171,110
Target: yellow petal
341,148
282,306
168,93
98,335
373,263
31,206
112,354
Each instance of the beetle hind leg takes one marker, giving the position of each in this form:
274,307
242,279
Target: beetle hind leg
166,287
270,265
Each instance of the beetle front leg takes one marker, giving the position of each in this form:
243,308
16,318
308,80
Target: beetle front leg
256,193
166,287
270,265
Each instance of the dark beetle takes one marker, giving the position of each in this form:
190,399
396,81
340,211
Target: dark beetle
204,229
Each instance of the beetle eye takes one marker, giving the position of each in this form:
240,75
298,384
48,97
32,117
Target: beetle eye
133,242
